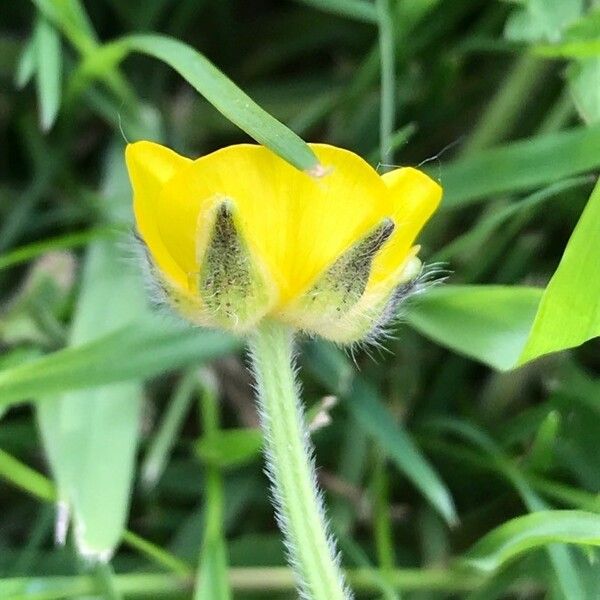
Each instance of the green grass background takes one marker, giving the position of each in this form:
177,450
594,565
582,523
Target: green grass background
461,460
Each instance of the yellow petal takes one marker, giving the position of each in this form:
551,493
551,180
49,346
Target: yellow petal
296,225
150,166
414,196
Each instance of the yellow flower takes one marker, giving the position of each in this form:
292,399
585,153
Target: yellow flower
240,234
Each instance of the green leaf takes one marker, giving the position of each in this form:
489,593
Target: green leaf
369,412
71,17
69,240
218,89
49,71
541,455
520,166
584,83
213,578
569,312
486,322
26,478
360,10
142,349
163,441
560,557
542,20
477,236
230,448
27,63
531,532
90,435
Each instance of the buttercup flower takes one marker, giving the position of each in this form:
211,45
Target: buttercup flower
239,235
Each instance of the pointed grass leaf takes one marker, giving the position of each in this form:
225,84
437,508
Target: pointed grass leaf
48,59
488,323
71,18
519,166
531,532
569,312
360,10
27,63
145,348
369,412
367,408
90,435
216,87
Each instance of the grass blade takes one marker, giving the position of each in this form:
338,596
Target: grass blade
569,313
369,412
142,349
212,579
520,166
168,430
359,10
27,64
530,532
488,323
49,71
217,88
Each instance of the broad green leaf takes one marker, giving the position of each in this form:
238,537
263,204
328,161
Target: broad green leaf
584,83
90,435
486,322
48,59
540,20
520,166
230,447
569,312
531,532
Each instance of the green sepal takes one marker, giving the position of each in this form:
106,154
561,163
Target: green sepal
230,283
340,288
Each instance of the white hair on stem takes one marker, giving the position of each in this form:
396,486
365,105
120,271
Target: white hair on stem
274,469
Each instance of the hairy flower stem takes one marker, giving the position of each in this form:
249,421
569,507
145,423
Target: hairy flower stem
290,464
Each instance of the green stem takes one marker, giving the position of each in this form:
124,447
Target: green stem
211,580
388,80
384,540
261,580
106,581
291,469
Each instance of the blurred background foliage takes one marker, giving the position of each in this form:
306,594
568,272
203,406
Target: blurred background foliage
114,417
